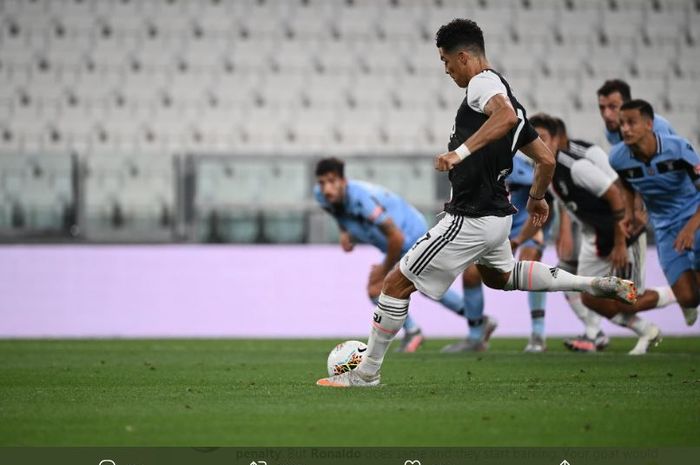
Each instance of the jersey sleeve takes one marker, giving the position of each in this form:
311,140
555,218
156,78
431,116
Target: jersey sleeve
600,159
370,208
481,88
527,133
691,161
588,176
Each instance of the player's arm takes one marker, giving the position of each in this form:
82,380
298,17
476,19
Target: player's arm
394,241
346,241
544,171
613,195
632,224
565,238
501,119
686,237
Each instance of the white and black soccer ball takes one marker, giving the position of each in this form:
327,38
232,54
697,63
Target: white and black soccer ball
345,357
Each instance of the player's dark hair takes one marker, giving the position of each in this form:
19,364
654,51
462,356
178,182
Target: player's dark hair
460,33
561,126
330,165
615,85
643,106
546,122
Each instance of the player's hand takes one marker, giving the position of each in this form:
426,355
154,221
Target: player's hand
627,225
346,241
685,239
538,210
618,257
639,222
446,161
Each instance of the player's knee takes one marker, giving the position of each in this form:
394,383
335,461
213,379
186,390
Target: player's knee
688,298
397,285
471,277
493,278
530,253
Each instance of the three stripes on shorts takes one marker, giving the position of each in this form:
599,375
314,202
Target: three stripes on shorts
435,247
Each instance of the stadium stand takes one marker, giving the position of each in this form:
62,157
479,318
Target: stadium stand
130,80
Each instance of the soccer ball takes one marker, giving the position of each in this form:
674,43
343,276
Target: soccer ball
345,357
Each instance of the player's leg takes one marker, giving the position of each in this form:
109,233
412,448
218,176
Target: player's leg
412,335
430,266
532,250
618,313
680,271
648,299
480,326
536,276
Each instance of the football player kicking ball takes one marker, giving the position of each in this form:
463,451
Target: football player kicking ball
490,127
371,214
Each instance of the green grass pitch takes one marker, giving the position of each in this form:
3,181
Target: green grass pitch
262,392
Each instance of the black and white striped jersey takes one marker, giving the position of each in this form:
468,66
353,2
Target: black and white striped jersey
478,182
581,177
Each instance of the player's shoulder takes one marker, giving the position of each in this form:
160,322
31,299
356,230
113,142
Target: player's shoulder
319,196
673,140
619,153
485,80
663,125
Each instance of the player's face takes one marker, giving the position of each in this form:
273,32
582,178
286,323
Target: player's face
552,142
609,106
332,187
634,126
456,66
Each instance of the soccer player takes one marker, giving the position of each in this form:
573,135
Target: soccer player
585,184
490,127
665,170
371,214
519,184
611,95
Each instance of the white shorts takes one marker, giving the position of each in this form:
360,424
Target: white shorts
456,242
590,264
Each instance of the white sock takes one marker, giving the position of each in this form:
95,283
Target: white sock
633,322
389,316
536,276
589,318
666,296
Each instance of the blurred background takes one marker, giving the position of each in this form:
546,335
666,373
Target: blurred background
199,121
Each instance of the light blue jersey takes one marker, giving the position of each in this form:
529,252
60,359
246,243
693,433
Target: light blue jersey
669,184
367,206
666,182
661,126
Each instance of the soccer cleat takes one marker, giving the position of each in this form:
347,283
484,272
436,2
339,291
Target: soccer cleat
466,345
581,344
473,345
536,344
411,341
616,288
348,379
651,337
690,314
601,341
